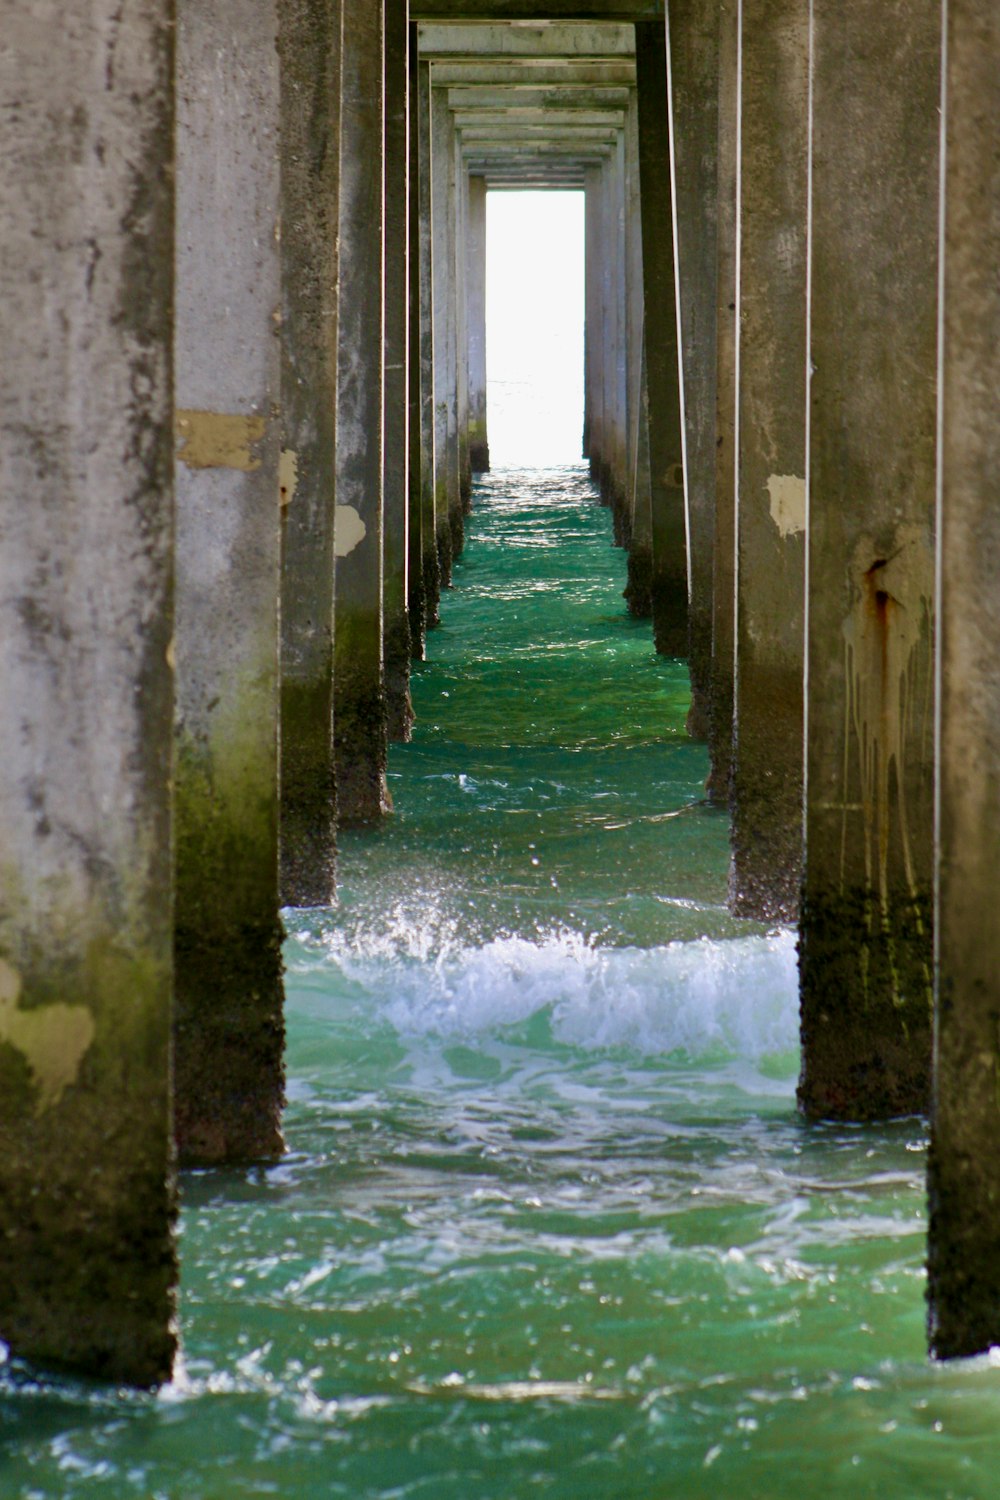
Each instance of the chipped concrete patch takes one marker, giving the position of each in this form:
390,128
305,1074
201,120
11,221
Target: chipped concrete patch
52,1038
788,503
349,530
218,440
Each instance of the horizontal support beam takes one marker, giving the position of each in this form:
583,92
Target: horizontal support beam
523,100
527,72
538,121
536,10
493,42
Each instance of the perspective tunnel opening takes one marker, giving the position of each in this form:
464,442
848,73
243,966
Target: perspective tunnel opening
535,327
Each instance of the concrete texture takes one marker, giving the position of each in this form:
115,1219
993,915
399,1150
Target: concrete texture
309,39
720,718
448,502
229,1035
666,448
771,488
436,570
416,478
479,443
865,934
693,70
360,725
964,1248
87,1263
396,620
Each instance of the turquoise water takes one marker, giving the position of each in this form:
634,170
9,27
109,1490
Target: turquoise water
549,1223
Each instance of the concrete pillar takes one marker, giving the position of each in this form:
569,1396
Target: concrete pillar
87,1265
229,1036
964,1250
865,935
693,67
594,324
639,548
618,459
448,499
720,726
461,241
771,496
359,685
479,447
640,555
435,530
444,229
396,619
670,567
310,187
416,595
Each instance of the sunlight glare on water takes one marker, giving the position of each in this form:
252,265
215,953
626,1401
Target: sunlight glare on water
549,1223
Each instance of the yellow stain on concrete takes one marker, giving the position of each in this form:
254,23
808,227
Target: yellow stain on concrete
788,503
288,476
349,530
218,440
53,1039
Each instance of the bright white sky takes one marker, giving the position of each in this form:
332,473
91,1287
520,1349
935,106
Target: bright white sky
534,327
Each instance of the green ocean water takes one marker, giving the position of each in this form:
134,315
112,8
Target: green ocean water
549,1224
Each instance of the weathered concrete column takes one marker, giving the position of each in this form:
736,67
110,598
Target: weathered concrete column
594,326
479,447
964,1250
359,713
396,619
693,69
435,529
443,229
637,590
618,458
310,187
720,736
416,586
639,518
229,1031
87,1265
865,944
461,241
670,568
771,496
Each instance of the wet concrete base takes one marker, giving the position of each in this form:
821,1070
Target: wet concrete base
398,654
638,590
867,1004
360,739
229,1038
308,794
963,1262
88,1268
766,803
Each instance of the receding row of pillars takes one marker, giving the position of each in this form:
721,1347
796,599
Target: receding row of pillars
238,438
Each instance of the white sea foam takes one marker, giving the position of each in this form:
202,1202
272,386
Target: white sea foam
737,998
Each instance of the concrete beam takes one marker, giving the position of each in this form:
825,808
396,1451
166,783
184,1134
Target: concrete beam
492,42
87,1262
535,73
533,11
513,99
